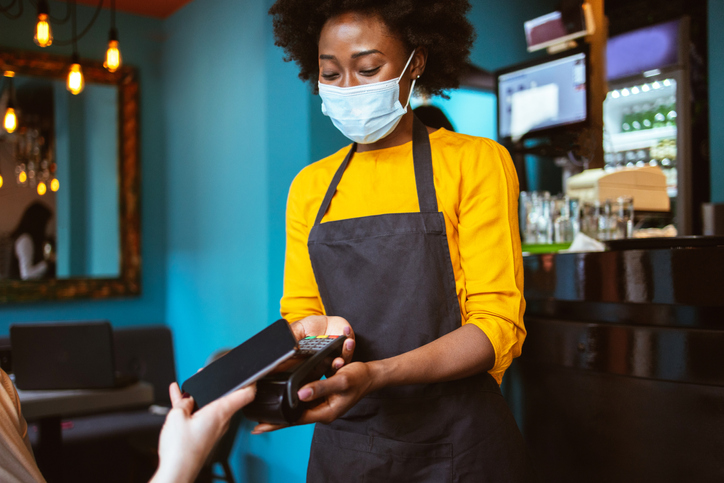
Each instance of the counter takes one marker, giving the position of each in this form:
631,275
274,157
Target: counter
622,372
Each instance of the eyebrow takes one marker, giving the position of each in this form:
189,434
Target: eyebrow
356,55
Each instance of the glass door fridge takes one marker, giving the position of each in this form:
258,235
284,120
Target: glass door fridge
646,114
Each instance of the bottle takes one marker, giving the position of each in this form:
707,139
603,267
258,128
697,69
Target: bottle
636,119
660,113
627,118
647,116
671,112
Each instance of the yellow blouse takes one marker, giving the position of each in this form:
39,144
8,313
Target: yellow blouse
477,191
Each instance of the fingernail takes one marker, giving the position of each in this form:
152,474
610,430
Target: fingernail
347,330
349,345
337,365
305,394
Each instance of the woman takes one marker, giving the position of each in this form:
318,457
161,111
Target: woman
28,258
411,236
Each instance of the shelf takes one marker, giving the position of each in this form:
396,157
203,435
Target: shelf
645,138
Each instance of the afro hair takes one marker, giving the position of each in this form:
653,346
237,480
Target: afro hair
439,25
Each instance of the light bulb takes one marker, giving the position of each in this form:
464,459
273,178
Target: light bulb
113,56
43,33
1,181
42,188
22,177
76,83
54,185
10,121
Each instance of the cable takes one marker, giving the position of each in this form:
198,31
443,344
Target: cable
6,10
75,38
59,21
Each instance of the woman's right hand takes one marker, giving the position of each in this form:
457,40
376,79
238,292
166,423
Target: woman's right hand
314,325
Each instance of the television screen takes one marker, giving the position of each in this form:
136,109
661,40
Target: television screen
547,94
642,50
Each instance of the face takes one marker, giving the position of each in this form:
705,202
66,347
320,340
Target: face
356,49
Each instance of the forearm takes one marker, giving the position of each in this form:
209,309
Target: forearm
182,473
461,353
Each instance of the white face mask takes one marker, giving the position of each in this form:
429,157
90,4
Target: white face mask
368,112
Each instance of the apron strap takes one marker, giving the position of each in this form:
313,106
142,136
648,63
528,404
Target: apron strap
422,159
333,185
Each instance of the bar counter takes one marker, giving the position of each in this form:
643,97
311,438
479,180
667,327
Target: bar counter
622,372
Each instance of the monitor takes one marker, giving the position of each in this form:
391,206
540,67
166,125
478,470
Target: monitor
542,95
559,27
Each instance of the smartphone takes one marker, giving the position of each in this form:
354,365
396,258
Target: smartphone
242,365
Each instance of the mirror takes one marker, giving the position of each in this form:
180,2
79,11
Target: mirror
80,238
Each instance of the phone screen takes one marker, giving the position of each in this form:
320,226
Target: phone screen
243,365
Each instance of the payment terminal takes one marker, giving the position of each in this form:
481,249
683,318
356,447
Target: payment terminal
276,398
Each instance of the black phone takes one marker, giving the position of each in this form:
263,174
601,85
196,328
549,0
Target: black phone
243,365
276,398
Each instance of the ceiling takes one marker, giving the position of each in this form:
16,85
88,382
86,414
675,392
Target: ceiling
149,8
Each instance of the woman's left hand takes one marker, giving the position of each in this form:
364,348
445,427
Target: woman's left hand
336,395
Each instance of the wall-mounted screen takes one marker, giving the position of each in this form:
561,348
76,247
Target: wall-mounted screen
545,94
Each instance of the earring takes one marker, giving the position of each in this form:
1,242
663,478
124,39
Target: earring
418,76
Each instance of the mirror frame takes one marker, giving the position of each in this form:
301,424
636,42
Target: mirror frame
129,281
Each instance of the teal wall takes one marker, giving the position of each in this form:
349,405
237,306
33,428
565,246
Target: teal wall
716,98
141,42
237,134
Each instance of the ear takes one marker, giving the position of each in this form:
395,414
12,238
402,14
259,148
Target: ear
418,63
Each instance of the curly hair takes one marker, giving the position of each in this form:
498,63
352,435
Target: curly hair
439,25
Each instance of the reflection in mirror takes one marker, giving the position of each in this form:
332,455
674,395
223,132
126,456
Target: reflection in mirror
65,147
69,182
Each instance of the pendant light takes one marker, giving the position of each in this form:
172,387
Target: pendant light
10,119
43,33
75,82
113,54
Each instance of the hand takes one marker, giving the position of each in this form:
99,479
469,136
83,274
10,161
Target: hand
336,395
324,325
187,439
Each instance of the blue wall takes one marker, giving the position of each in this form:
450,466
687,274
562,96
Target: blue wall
716,98
141,43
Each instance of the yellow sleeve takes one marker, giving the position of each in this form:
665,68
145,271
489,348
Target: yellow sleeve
490,252
301,295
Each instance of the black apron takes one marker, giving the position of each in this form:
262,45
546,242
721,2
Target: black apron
392,278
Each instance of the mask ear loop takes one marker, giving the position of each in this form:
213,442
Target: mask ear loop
412,87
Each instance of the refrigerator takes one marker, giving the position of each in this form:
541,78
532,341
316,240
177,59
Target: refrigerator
647,114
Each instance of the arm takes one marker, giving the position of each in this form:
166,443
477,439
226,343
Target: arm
301,295
24,251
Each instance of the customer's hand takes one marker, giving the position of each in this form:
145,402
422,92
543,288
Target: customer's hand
187,439
336,395
324,325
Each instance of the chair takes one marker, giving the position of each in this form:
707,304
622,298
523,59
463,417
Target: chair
105,447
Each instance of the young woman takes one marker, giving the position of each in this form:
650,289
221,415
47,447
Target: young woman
411,236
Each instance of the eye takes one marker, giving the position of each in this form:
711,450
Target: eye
329,75
370,72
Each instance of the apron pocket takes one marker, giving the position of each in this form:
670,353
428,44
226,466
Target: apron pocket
341,456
